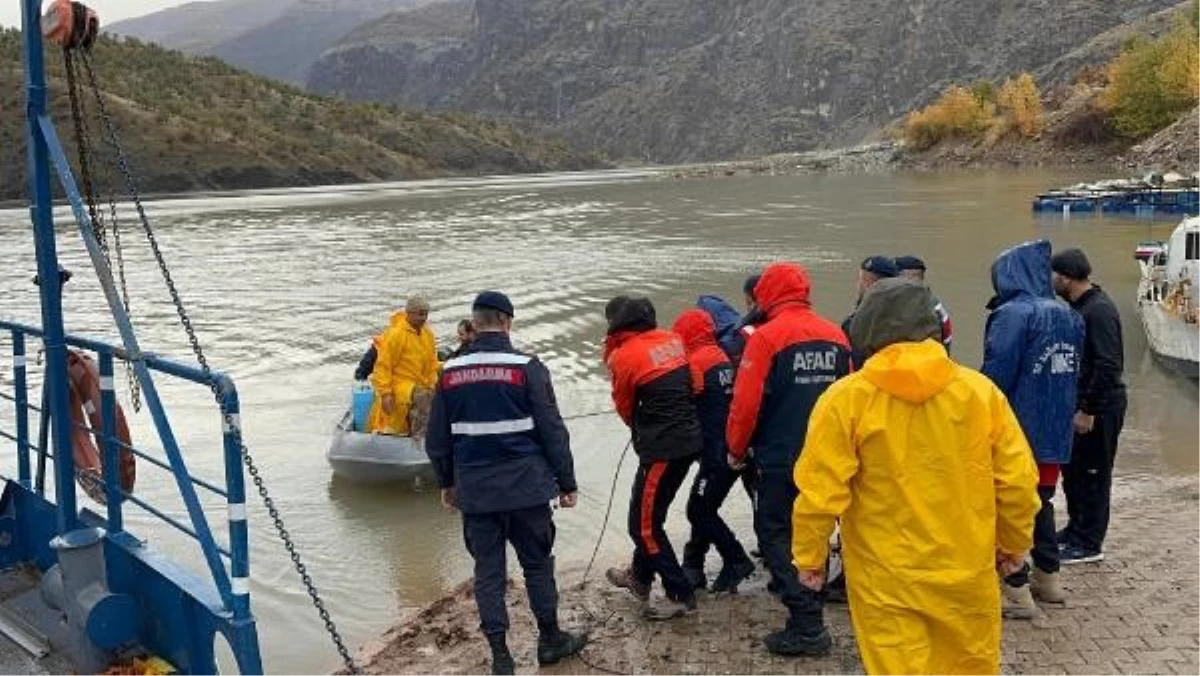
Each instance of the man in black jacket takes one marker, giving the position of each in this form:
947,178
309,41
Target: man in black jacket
1101,402
502,453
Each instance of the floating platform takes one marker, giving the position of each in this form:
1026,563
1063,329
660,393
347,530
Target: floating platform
1171,194
1137,202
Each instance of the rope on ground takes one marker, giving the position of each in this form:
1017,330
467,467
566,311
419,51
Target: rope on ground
593,414
597,667
607,512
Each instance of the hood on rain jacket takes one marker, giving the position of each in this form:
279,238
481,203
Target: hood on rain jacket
733,330
651,384
789,361
1032,349
495,433
712,381
925,465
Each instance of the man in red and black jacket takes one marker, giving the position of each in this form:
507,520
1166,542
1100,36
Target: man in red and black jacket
651,387
788,363
712,388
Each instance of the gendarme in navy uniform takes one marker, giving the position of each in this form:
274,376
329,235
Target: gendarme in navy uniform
502,453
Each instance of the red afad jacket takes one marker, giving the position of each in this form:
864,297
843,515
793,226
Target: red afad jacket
788,363
652,391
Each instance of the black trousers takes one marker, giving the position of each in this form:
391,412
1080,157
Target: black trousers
1045,540
773,524
709,490
1087,480
531,532
654,488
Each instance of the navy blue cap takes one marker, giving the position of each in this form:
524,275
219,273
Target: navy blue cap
909,263
493,300
880,266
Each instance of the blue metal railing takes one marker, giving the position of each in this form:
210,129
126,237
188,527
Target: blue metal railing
232,584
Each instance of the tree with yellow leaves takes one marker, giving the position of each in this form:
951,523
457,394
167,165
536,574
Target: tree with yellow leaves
1021,104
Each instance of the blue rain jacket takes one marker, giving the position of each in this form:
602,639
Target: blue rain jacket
1032,348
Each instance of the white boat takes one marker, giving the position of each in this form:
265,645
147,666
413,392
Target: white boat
1167,299
376,458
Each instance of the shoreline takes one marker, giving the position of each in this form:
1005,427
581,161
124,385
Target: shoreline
1122,615
866,158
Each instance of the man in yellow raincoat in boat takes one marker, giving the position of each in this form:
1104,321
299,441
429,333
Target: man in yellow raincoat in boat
405,372
927,468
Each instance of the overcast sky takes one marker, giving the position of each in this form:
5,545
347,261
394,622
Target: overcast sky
110,11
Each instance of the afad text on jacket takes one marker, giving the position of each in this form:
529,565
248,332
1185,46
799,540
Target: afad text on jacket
651,384
788,363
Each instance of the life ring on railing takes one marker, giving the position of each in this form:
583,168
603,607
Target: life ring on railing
84,407
70,24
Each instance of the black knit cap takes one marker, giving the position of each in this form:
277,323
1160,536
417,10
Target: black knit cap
1071,263
749,284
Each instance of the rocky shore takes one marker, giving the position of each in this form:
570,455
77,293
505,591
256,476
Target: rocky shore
1136,612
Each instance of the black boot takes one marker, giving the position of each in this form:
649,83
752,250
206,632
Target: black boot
502,660
695,577
732,575
794,640
554,644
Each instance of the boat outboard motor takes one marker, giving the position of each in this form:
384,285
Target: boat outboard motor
96,621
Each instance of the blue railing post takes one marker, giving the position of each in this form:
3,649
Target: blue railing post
21,396
235,486
41,213
111,454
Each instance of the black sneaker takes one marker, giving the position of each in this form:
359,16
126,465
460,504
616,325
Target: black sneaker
1072,554
503,664
695,577
559,645
792,642
731,576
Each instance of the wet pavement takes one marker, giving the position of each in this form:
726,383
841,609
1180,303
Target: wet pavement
1135,612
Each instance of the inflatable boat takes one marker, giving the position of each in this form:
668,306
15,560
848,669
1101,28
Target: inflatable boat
376,458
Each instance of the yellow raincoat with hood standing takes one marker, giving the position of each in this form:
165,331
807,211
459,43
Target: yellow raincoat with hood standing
407,360
927,468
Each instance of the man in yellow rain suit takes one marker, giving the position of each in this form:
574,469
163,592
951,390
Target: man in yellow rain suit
405,370
927,468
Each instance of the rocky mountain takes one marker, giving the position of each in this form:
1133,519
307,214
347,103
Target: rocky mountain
279,39
683,80
197,27
192,123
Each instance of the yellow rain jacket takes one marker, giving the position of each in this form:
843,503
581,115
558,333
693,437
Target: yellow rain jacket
927,468
407,360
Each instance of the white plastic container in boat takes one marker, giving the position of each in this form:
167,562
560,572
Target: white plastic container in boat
376,458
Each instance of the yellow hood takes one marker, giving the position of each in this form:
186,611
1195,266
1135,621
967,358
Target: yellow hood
913,372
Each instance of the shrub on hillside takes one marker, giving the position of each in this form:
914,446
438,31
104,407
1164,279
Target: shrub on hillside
956,114
1020,103
1152,81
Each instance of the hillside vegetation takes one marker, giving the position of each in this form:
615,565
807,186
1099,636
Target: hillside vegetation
196,123
1151,85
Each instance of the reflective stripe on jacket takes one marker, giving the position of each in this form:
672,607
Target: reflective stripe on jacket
495,433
